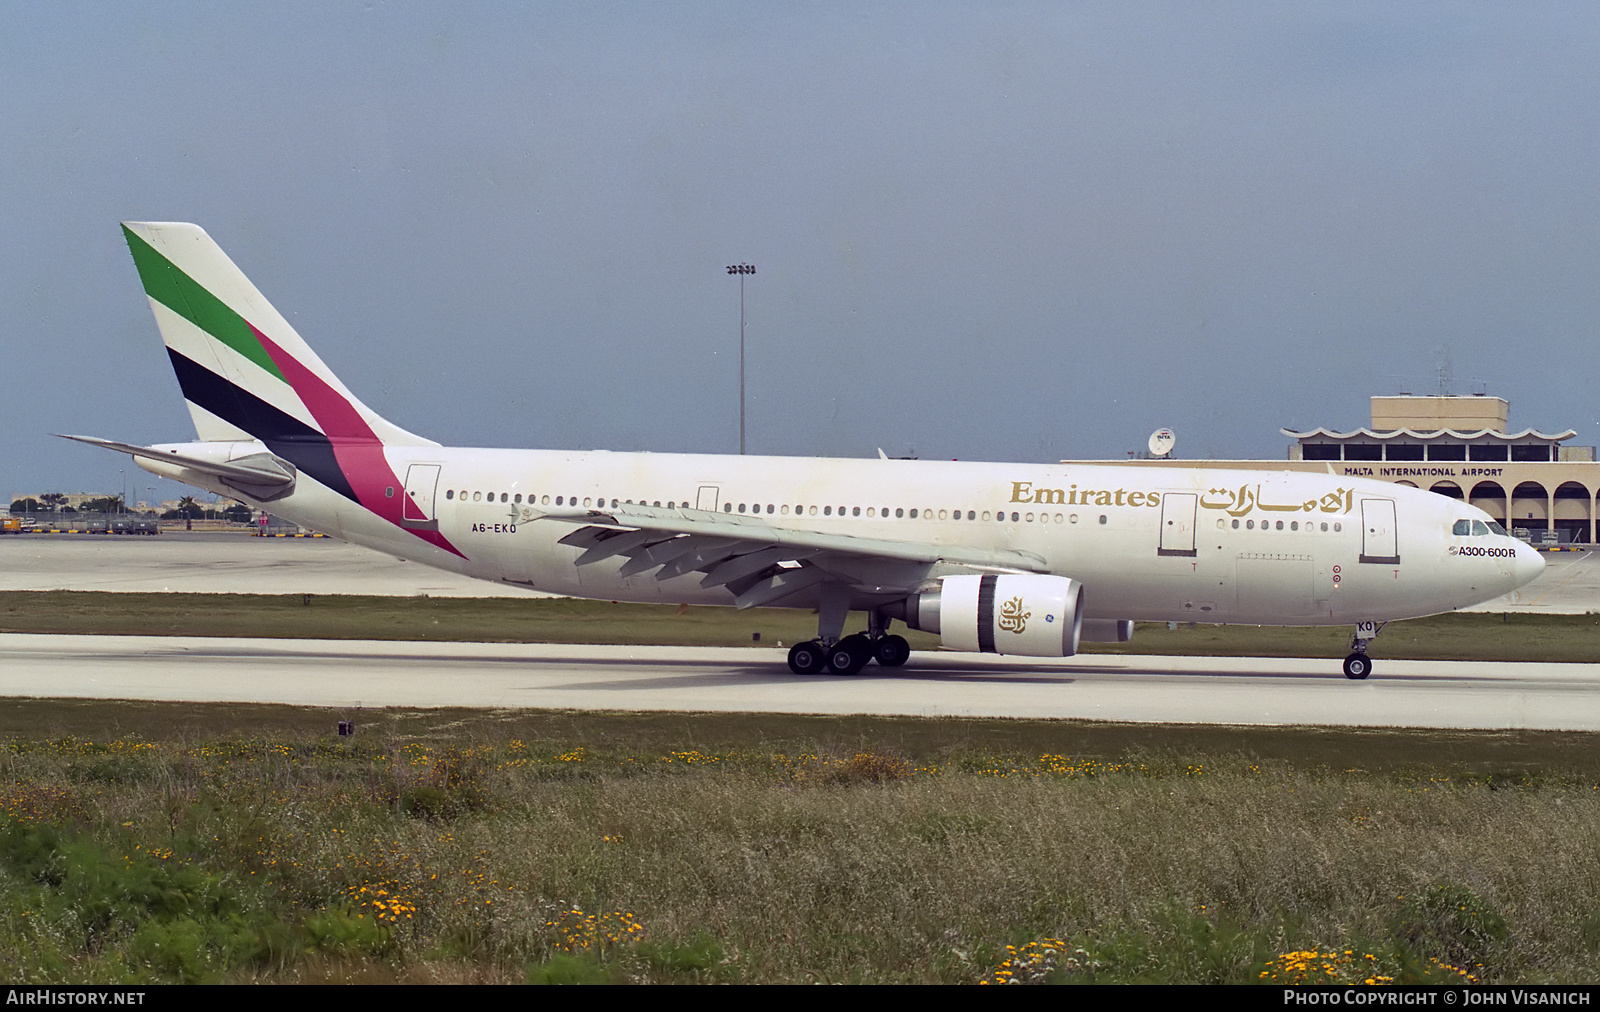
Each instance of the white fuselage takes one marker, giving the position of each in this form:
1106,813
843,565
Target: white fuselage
1153,544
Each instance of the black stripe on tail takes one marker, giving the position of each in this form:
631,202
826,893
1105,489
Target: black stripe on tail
285,435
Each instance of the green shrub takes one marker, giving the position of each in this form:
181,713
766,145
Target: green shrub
1452,924
583,968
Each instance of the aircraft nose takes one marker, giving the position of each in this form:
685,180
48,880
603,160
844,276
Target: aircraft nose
1529,564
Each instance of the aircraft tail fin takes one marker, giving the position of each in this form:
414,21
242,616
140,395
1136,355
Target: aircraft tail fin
244,371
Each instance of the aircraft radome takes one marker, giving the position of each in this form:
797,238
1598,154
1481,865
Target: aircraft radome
1023,559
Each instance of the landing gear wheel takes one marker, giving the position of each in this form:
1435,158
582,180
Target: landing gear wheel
850,654
1357,667
891,651
807,658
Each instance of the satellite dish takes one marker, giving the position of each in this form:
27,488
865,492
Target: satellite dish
1161,442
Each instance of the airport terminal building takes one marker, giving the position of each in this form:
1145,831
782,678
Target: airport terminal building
1457,445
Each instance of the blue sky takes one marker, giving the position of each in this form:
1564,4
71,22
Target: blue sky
1006,231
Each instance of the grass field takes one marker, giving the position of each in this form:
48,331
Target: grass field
157,842
1465,636
498,847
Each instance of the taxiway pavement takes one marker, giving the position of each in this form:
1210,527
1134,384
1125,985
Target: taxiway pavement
351,675
219,563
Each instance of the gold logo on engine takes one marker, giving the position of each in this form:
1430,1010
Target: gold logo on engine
1012,618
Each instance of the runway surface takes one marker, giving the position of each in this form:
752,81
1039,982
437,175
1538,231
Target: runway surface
353,674
348,674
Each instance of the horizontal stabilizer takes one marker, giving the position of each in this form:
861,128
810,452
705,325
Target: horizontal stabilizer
260,469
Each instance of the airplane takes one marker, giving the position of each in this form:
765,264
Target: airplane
1020,559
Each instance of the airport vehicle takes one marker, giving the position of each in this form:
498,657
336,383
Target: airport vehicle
1022,559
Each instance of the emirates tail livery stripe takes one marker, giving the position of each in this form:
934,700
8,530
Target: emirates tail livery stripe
171,287
342,451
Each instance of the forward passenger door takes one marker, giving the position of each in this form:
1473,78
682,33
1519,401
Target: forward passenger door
1378,538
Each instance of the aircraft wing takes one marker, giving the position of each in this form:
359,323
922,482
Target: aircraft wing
761,563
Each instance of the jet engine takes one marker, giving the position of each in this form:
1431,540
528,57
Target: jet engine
1106,630
1034,616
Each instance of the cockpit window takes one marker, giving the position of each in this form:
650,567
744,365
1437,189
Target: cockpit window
1476,528
1495,528
1479,527
1461,527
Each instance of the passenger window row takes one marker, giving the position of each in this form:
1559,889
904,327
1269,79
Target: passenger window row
901,512
771,509
560,500
1293,525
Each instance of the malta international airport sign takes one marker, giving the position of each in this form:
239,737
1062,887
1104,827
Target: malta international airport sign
1428,471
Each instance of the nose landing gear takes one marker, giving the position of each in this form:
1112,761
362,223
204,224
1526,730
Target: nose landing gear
1358,665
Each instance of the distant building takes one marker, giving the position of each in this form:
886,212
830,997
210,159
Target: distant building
1458,446
74,499
1448,428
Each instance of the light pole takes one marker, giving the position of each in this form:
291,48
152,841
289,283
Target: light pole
741,270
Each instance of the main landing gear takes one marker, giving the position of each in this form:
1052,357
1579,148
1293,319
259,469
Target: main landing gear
849,655
1358,665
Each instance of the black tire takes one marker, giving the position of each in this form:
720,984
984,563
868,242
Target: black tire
850,655
807,658
1357,667
891,651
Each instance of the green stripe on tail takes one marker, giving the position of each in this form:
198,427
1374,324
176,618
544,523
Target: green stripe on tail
171,287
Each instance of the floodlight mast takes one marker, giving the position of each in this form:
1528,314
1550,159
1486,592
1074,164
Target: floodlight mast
741,270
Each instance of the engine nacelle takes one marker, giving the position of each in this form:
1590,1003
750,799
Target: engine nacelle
1034,616
1106,630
